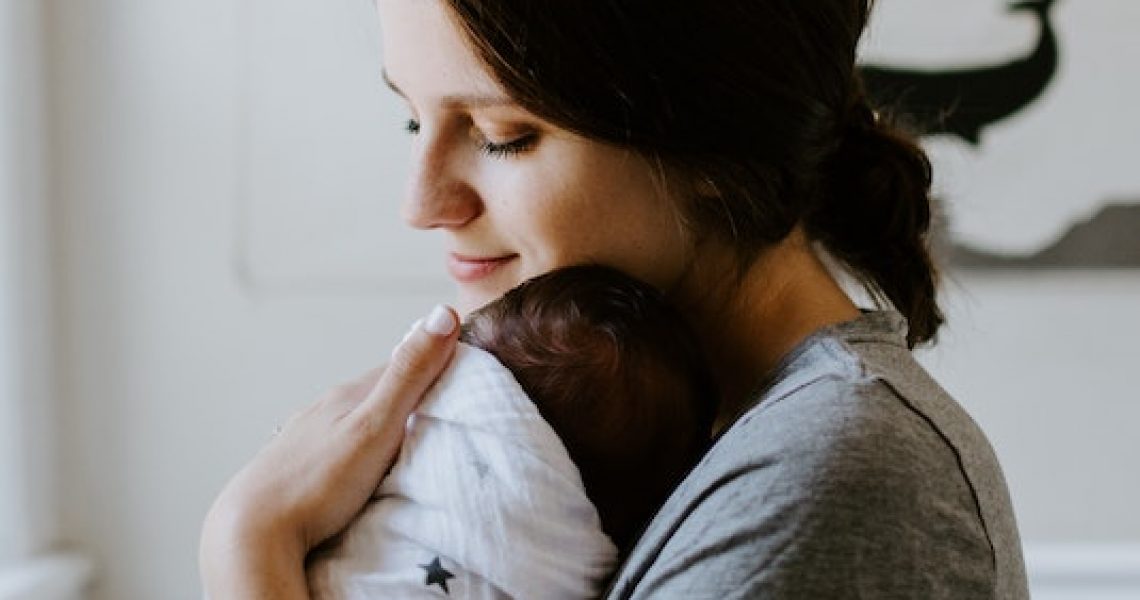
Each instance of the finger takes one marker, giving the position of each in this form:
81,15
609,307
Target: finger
419,323
343,399
416,363
362,385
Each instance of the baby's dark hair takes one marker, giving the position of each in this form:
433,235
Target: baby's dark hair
619,376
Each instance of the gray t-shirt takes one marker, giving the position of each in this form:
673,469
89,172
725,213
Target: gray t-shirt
854,476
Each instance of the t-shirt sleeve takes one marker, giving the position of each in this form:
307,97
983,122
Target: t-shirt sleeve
851,496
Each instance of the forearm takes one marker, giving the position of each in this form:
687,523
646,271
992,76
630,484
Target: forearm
251,566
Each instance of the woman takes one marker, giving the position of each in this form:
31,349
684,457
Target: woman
715,150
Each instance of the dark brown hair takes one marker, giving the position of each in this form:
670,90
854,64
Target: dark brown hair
618,375
756,102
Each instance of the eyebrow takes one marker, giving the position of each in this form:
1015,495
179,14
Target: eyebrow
465,100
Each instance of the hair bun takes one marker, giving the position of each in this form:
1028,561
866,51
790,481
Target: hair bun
875,213
859,118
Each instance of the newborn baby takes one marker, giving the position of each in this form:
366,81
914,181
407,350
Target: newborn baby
573,406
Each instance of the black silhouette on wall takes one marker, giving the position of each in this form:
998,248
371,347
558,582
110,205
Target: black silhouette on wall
1110,239
966,101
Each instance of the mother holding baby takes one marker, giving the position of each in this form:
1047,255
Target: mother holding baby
726,153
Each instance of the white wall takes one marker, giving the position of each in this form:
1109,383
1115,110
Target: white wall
176,362
195,314
1046,363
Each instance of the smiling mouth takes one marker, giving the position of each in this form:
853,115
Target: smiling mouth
468,269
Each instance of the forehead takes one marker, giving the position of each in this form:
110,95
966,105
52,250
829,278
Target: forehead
427,56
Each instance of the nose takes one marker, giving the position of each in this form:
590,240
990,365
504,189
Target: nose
438,195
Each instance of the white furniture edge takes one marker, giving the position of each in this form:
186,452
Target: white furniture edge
28,471
51,577
1083,564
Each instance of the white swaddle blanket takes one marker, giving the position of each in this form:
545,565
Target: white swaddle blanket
483,502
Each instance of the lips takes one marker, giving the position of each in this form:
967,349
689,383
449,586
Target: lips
469,269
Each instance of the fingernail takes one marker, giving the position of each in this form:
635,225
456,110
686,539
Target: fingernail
440,321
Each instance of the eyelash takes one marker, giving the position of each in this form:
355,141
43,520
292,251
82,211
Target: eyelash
507,150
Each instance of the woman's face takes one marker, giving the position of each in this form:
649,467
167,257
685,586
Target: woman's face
514,195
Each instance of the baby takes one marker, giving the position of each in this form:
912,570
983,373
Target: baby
574,405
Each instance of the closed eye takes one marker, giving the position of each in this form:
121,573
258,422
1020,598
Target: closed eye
497,150
511,148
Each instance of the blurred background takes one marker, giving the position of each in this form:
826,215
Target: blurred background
199,235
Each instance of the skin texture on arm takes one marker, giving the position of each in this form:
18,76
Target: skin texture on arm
315,476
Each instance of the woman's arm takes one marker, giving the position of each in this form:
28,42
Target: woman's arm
316,475
250,565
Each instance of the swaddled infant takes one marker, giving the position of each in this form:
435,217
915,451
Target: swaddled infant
575,403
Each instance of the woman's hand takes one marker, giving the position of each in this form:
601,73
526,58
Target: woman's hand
318,472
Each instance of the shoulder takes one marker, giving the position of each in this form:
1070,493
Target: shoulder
846,477
834,419
843,426
853,407
845,448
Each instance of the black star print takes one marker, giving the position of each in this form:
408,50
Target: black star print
481,468
437,574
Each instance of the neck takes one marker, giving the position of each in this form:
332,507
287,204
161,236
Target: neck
748,325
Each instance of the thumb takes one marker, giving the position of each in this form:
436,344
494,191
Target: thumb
416,364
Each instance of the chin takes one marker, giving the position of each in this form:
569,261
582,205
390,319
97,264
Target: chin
473,296
468,301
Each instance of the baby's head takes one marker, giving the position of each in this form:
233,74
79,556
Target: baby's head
619,376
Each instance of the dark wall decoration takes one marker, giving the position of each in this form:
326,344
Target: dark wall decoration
1108,240
987,109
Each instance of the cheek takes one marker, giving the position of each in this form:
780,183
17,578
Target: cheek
591,204
556,235
546,216
637,234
